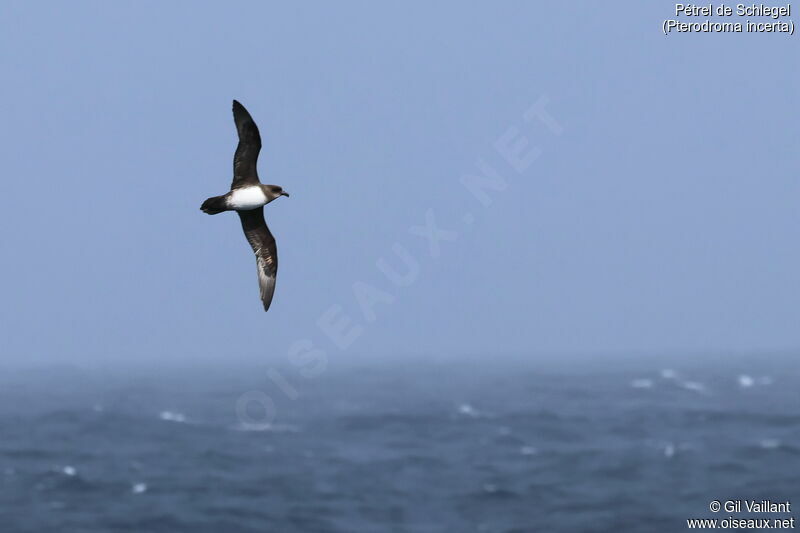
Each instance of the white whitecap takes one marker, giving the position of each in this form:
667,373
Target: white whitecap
746,381
69,470
172,416
669,450
467,410
642,383
769,444
528,450
694,386
139,488
277,428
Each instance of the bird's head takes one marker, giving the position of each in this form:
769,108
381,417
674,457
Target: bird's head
273,192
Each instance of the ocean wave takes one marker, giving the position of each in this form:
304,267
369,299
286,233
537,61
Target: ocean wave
769,444
668,373
528,450
694,386
746,381
172,416
273,428
63,479
748,418
642,383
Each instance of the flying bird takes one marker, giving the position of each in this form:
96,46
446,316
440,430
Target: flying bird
247,197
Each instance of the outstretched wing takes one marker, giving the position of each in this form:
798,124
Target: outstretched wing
263,243
244,161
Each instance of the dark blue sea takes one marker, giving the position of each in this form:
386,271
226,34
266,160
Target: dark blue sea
479,444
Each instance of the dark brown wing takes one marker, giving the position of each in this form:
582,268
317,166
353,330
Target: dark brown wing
244,161
263,243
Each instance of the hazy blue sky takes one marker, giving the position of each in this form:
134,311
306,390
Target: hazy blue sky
663,218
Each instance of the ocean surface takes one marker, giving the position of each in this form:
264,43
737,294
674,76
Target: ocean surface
458,445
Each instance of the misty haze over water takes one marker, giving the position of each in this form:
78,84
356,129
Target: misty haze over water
469,444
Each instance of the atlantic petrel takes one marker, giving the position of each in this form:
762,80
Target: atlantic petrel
247,197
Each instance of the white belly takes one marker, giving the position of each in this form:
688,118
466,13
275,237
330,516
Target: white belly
247,198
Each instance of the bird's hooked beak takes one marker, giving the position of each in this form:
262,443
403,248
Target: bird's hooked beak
284,193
